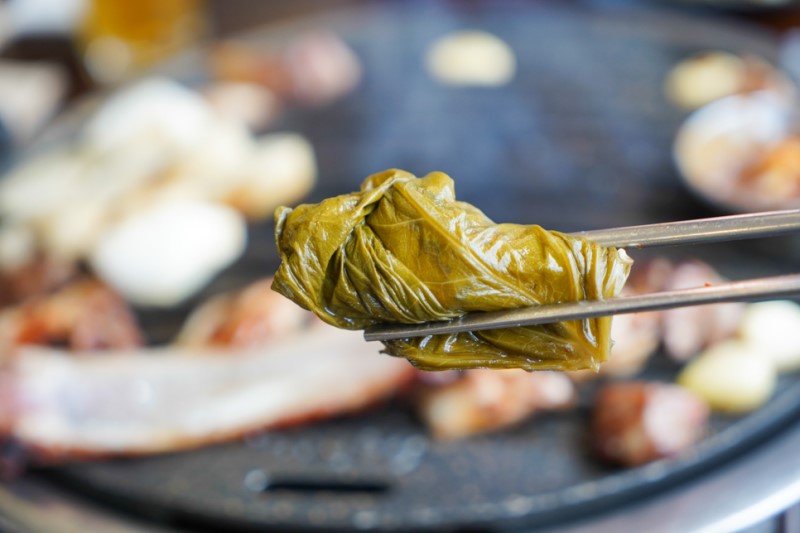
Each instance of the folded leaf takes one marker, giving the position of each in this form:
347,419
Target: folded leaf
404,250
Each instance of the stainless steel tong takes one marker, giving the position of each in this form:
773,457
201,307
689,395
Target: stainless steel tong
688,232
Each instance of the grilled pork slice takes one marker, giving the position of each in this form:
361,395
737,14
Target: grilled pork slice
82,315
688,330
635,423
247,317
635,336
35,276
487,400
157,400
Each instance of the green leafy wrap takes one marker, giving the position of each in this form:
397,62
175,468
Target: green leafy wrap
404,250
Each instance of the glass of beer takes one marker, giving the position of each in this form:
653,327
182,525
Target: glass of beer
120,37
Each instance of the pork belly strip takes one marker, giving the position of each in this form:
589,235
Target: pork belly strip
158,400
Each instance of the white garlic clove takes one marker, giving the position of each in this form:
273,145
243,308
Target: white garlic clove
156,110
96,198
163,255
731,377
699,80
212,170
471,58
282,169
773,330
41,184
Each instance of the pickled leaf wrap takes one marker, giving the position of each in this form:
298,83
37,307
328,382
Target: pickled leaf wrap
404,250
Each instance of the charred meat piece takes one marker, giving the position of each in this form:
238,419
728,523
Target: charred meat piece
685,332
314,68
487,400
249,317
35,277
688,330
249,103
636,336
83,315
650,276
635,423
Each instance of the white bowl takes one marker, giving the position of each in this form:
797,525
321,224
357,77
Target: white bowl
720,140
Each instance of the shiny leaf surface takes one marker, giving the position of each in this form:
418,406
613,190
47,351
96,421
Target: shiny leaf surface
403,249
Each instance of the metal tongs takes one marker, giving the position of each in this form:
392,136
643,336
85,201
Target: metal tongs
729,228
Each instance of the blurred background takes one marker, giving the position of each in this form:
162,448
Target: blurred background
150,378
